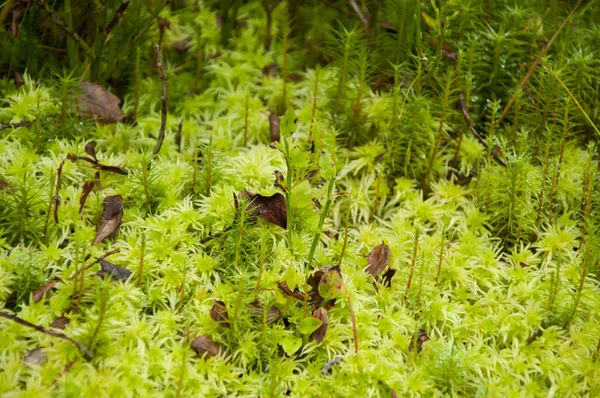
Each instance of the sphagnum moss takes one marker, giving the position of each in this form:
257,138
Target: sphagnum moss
461,134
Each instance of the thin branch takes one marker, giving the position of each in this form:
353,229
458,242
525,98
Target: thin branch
534,65
57,194
163,98
65,370
15,125
117,17
465,113
49,332
360,14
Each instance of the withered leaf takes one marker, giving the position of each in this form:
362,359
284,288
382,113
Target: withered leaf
37,356
90,149
38,294
327,367
19,81
379,259
17,16
280,181
86,189
61,322
420,339
6,186
331,283
218,313
534,336
313,281
112,169
274,127
256,308
283,286
269,208
271,70
163,23
386,278
95,101
204,346
116,272
319,334
111,217
182,45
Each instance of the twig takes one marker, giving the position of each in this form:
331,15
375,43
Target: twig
163,98
49,332
15,125
465,113
57,194
535,64
102,257
61,24
65,370
117,17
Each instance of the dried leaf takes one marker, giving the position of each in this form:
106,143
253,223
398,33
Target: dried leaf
182,45
378,259
95,101
86,189
6,186
19,81
534,336
204,346
112,169
116,272
386,278
218,313
331,283
37,356
421,338
271,70
280,181
283,286
274,127
319,334
17,16
330,364
111,217
314,281
257,309
61,322
163,23
38,294
269,208
90,149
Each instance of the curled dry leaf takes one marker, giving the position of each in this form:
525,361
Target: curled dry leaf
96,102
269,208
90,149
111,217
39,294
37,356
204,346
116,272
274,127
319,334
386,278
218,313
420,339
283,286
86,189
61,322
314,281
378,259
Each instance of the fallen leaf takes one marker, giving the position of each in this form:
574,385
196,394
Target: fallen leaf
163,23
61,322
86,189
204,346
218,313
90,149
319,334
421,338
19,81
116,272
95,101
37,356
386,278
269,208
330,284
381,82
327,367
378,259
112,169
534,336
295,77
274,127
280,181
111,217
283,286
313,281
39,294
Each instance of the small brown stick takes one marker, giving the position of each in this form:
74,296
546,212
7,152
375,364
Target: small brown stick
97,260
163,98
15,125
117,17
534,65
465,113
354,332
57,194
49,332
360,14
65,370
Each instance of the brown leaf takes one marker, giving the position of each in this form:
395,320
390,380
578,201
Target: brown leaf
386,278
39,294
6,186
218,313
116,272
17,16
37,356
274,129
86,189
111,217
283,286
19,81
421,338
112,169
269,208
61,322
182,45
271,70
163,23
319,334
379,259
256,308
90,149
381,82
95,101
204,346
